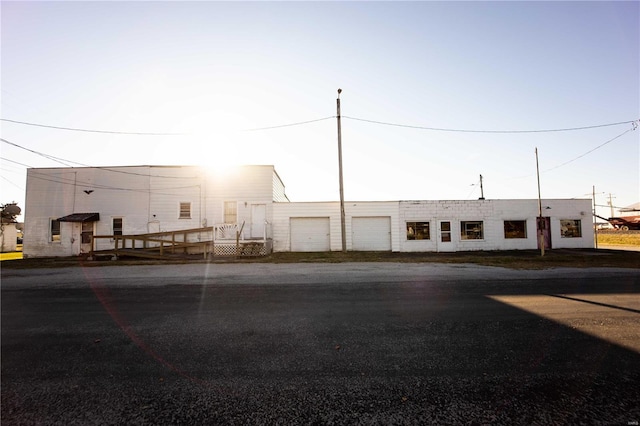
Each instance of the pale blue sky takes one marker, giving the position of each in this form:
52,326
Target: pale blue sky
215,69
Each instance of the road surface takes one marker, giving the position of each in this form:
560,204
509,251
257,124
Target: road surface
355,343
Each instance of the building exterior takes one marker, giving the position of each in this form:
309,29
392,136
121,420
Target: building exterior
66,207
8,236
72,211
433,226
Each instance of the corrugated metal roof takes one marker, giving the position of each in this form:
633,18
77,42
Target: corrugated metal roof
81,217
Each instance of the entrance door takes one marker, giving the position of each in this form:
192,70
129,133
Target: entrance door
445,236
258,216
86,237
544,228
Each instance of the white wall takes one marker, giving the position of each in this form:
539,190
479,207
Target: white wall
8,237
282,212
147,198
493,213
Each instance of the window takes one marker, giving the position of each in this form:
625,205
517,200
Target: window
515,229
117,226
471,230
418,231
55,231
185,211
230,212
570,228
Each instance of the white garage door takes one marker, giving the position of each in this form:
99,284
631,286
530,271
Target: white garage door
371,233
310,234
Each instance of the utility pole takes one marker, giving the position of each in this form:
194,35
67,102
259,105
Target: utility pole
595,219
540,221
342,215
481,189
611,205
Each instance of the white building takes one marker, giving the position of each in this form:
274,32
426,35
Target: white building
8,236
432,226
67,208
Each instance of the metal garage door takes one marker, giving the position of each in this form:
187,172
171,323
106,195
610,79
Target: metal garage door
310,234
371,233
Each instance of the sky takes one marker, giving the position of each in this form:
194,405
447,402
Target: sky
434,94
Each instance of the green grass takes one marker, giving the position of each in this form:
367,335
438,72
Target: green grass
516,259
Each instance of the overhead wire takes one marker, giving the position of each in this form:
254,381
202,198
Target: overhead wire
111,132
568,129
62,161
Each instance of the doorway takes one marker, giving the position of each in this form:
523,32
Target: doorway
544,229
445,236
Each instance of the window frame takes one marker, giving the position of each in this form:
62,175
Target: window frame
415,226
227,214
181,210
113,225
52,234
569,230
515,234
466,235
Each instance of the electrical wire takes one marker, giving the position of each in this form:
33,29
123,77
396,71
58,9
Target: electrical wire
590,151
111,132
109,169
489,131
72,182
289,125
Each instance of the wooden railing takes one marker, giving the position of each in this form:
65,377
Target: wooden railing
159,244
162,242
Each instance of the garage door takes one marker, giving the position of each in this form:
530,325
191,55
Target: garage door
371,233
310,234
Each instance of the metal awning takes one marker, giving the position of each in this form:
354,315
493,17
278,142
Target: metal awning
81,217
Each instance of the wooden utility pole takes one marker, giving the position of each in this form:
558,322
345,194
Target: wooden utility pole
342,214
540,220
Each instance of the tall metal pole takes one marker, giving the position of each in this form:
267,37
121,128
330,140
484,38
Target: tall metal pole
481,189
342,214
540,221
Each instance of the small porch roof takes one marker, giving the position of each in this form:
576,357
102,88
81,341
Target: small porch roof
81,217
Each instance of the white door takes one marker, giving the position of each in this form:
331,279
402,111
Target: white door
258,217
310,234
445,235
86,237
371,233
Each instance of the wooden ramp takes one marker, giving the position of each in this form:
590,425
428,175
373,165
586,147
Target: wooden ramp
180,244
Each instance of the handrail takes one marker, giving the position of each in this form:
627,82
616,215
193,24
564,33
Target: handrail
166,240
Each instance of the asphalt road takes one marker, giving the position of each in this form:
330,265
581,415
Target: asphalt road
358,343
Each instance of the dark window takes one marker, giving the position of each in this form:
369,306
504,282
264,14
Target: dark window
55,231
117,226
471,230
418,231
515,229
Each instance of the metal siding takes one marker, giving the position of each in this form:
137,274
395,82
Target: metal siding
371,233
310,234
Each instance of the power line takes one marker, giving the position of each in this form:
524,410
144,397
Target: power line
438,129
590,151
289,125
112,132
72,182
62,161
50,157
489,131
